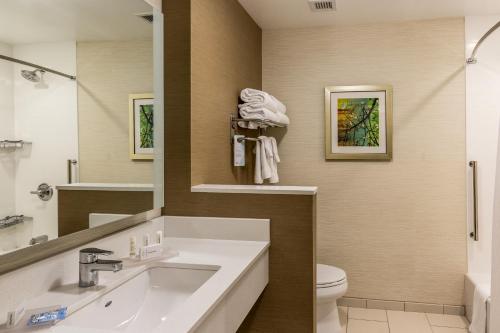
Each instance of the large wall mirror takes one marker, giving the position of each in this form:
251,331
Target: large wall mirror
81,116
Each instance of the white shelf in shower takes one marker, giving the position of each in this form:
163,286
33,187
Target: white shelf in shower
13,144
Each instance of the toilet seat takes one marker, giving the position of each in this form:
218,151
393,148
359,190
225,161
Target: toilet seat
329,276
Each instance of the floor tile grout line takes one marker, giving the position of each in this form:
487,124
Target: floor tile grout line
347,320
429,322
387,317
431,327
377,321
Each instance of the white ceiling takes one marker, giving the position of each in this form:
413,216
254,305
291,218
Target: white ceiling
34,21
282,14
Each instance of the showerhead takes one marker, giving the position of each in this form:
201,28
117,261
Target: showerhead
32,75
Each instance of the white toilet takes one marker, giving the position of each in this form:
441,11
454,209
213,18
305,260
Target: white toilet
331,284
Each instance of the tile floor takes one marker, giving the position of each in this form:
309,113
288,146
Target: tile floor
357,320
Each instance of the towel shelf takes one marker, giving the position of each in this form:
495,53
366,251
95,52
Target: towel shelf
9,144
262,125
10,221
260,122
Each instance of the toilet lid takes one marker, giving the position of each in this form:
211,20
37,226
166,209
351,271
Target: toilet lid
329,276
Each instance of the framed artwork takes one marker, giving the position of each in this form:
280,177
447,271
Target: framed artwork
141,128
358,123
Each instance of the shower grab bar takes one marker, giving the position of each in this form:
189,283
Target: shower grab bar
22,62
475,234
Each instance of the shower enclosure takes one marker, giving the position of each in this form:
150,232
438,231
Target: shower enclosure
483,119
38,135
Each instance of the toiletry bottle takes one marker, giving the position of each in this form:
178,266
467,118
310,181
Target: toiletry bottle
133,247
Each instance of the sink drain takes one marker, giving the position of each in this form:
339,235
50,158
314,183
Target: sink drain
108,303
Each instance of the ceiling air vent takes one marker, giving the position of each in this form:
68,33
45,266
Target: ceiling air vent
146,16
322,5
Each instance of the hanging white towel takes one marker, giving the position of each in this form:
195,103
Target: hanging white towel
258,167
264,160
271,155
479,316
275,150
262,99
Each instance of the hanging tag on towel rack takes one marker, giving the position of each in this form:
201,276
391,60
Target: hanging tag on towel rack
239,151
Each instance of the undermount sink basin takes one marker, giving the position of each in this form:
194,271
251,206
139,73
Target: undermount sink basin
143,302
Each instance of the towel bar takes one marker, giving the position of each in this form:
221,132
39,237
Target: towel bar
248,139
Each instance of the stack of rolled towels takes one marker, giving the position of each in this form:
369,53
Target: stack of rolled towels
262,106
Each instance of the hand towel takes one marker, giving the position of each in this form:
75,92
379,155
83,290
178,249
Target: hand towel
257,178
479,317
262,99
271,159
264,158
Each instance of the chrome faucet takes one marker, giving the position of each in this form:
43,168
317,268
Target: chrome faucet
90,265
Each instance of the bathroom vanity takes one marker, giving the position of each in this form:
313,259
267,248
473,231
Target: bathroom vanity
203,282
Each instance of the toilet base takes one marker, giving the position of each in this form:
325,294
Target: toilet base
327,318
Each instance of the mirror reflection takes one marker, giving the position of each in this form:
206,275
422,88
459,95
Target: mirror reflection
77,116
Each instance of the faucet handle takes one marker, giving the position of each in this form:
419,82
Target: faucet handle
90,255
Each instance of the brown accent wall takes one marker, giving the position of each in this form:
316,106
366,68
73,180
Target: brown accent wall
74,207
226,57
288,303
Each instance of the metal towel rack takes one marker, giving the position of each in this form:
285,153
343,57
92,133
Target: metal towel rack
475,234
13,143
10,221
260,122
261,125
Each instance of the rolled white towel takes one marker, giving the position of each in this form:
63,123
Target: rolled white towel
261,99
263,114
251,125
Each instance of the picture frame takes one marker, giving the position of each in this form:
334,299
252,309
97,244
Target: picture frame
358,122
141,126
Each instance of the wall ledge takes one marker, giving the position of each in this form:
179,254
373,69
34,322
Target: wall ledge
106,187
255,189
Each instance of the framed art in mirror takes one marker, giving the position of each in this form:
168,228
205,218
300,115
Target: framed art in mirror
141,109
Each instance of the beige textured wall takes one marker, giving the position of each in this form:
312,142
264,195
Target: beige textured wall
226,57
397,228
107,73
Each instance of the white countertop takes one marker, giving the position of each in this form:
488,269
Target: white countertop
255,189
106,187
234,258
